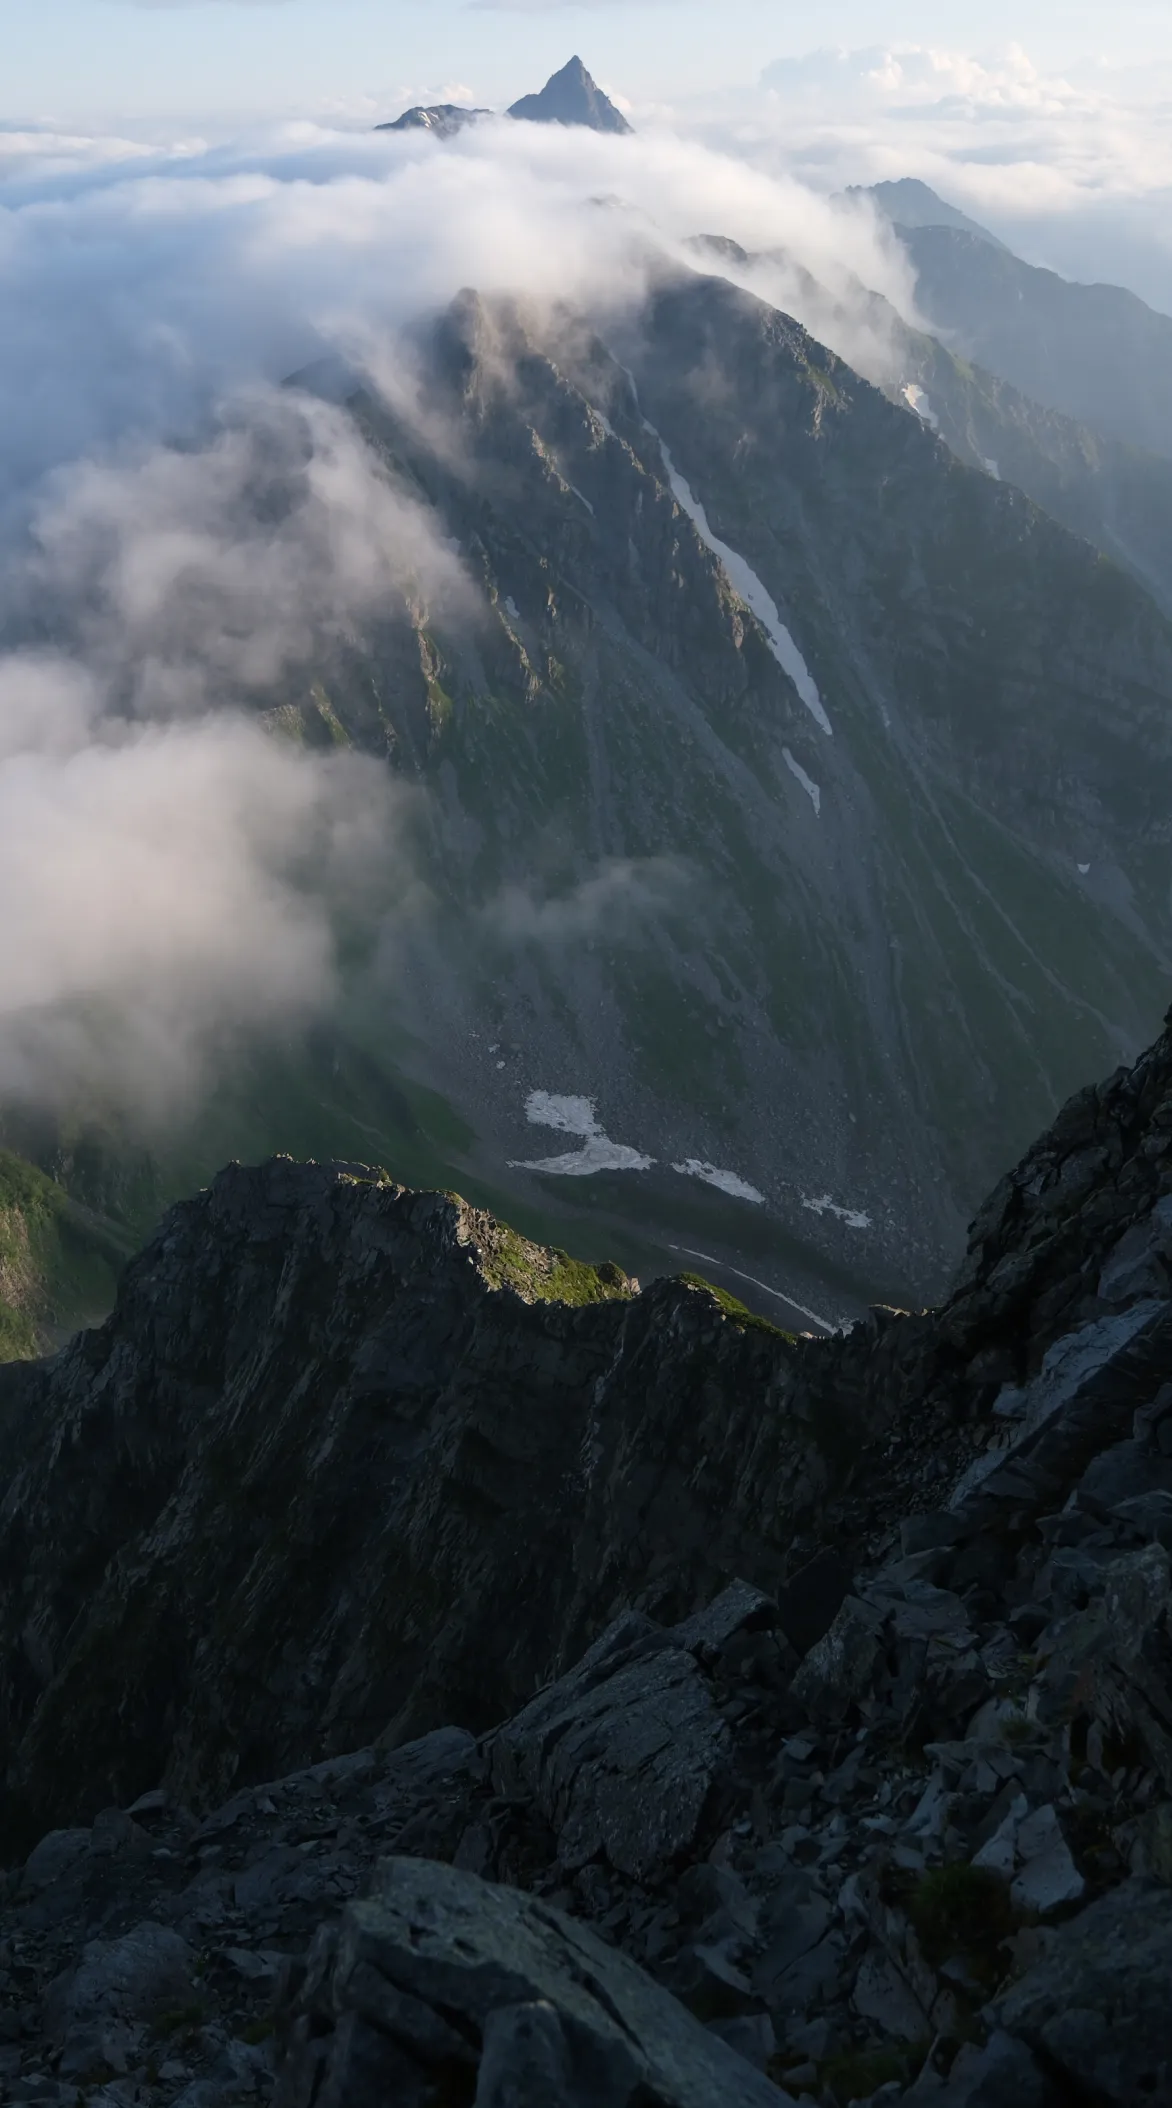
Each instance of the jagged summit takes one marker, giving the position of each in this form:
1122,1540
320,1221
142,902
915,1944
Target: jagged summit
572,97
445,119
863,1781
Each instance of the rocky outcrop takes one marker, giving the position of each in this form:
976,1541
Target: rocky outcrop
351,1462
572,97
887,1815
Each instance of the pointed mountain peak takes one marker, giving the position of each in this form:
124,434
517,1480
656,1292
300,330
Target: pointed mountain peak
572,97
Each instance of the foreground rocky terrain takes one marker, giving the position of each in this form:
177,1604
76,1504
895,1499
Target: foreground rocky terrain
434,1672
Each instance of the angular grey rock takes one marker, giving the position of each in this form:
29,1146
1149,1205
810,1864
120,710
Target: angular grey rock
621,1755
1096,2006
572,97
514,1981
526,2060
1082,1399
1049,1878
839,1669
116,1984
1002,2074
57,1854
738,1608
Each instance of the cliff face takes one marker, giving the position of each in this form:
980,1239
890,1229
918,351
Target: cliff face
349,1461
881,893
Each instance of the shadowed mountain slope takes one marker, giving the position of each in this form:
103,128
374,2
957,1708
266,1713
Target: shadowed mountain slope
892,915
1096,352
349,1461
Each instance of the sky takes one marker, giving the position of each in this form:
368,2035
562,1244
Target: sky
81,60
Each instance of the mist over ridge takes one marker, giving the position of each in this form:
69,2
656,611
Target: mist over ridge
338,475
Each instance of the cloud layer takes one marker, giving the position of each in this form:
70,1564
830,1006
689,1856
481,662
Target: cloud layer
182,538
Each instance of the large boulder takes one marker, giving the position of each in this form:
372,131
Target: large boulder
1096,2006
437,1972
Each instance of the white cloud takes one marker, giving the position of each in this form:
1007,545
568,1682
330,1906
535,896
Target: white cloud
192,536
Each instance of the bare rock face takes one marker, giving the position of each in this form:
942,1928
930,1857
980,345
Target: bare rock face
350,1462
572,97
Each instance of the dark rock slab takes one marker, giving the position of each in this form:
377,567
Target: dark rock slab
621,1755
452,1974
1096,2007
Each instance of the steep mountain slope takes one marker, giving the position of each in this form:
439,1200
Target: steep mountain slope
1094,351
788,833
58,1261
1116,496
571,97
910,203
349,1460
852,967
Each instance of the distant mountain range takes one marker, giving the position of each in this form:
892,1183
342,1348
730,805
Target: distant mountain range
570,97
910,203
1095,352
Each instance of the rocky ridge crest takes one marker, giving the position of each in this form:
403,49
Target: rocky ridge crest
758,1719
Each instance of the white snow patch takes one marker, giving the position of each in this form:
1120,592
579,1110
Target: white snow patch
807,782
722,1266
916,400
1084,868
725,1181
752,592
598,1154
585,500
512,609
991,469
854,1218
571,1116
577,1116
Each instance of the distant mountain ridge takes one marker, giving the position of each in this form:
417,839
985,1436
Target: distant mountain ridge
1097,353
445,119
910,203
571,97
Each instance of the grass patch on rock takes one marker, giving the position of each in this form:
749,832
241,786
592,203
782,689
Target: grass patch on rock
540,1273
964,1911
737,1311
58,1263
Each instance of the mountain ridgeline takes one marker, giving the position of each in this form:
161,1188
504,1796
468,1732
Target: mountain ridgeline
1097,353
862,1783
789,828
570,97
869,745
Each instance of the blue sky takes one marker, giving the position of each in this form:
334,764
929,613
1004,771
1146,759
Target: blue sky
140,58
